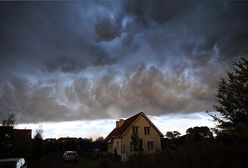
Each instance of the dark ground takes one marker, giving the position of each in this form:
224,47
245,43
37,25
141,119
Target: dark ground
55,160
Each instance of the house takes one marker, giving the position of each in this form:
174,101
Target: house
120,142
18,140
67,143
15,136
22,136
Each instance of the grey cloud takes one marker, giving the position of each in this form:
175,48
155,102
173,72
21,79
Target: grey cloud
90,60
148,89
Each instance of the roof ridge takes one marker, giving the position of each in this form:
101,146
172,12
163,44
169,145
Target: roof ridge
118,131
134,116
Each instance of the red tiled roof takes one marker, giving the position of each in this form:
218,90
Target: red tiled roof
117,132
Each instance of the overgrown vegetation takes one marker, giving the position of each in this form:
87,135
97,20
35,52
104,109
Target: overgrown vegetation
204,154
197,149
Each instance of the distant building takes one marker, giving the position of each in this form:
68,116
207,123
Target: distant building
120,142
14,139
6,138
50,140
17,136
68,143
67,139
22,136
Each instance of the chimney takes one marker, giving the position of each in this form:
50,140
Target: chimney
119,123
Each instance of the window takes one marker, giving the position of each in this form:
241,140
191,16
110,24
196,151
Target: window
147,130
135,129
150,145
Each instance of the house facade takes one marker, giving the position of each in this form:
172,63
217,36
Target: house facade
120,138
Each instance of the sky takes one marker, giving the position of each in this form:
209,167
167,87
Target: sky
73,68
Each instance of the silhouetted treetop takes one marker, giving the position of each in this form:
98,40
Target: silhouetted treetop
232,96
199,132
172,134
38,134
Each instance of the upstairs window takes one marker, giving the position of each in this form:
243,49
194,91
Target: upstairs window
135,129
147,130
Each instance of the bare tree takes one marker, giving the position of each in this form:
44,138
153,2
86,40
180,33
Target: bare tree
39,133
10,121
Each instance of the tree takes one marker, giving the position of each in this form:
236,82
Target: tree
232,97
137,144
99,144
172,134
99,139
199,133
38,146
38,134
10,121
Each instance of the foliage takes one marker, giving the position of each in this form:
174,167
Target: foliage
99,144
10,121
38,145
38,134
232,97
214,153
199,133
100,139
137,144
172,134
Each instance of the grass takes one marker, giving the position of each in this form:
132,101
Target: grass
54,160
89,161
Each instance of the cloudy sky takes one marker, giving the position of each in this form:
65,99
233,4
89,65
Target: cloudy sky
90,62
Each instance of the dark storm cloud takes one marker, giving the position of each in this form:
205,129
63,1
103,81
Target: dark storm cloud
90,60
187,25
158,11
106,30
49,35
